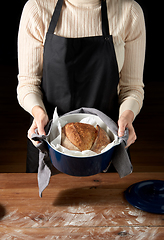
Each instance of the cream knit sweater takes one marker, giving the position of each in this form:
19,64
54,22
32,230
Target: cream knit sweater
82,18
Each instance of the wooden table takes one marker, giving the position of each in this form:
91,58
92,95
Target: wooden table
74,208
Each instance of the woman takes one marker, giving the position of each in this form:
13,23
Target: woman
85,53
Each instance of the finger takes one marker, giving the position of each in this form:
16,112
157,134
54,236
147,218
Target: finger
29,135
35,142
41,124
132,137
31,131
121,129
41,130
129,143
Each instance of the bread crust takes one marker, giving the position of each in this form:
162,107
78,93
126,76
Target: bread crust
66,143
81,136
101,141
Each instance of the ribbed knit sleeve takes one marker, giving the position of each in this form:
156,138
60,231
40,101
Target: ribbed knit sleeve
131,85
30,57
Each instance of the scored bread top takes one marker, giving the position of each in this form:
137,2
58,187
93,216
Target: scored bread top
82,135
101,141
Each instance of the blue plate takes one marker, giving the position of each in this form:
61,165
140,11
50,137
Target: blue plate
147,196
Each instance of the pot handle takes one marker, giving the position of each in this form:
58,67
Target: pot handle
41,139
42,146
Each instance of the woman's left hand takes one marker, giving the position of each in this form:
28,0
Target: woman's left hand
125,121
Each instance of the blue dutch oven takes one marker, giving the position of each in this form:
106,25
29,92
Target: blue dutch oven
81,165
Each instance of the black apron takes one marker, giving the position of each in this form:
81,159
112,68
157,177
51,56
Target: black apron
78,72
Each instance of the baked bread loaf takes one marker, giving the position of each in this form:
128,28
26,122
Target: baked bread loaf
81,136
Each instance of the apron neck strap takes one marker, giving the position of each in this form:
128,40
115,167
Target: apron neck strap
55,16
57,11
104,17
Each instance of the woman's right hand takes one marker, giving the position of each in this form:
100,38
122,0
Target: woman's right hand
40,121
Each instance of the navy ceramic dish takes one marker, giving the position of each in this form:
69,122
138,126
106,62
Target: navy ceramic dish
147,196
81,166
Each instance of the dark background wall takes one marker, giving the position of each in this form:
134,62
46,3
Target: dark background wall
154,50
9,20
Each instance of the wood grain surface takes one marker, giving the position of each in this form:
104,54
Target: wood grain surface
74,208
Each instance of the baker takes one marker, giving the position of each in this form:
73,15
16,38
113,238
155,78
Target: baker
80,53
